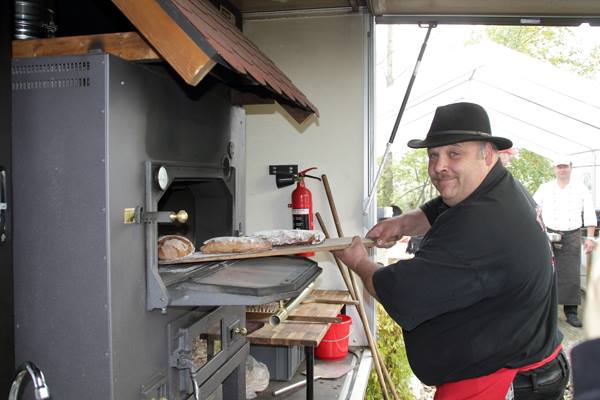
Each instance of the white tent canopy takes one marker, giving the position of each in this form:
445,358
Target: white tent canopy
538,106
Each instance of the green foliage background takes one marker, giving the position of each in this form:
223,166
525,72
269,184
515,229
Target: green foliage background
531,170
393,352
405,182
557,45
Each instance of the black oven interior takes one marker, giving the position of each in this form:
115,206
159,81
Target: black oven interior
209,205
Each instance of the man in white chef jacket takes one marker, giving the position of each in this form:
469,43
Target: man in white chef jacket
567,206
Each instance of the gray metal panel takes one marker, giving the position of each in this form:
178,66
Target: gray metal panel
151,117
7,347
84,128
61,271
182,122
138,336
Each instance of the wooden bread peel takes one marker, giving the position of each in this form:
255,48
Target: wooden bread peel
332,244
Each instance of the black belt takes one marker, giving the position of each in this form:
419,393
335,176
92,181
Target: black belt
545,376
562,232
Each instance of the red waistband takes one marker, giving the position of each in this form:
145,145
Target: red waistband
493,386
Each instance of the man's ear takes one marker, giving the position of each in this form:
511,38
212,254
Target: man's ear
489,154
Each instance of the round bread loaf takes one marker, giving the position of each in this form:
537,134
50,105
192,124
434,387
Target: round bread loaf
173,247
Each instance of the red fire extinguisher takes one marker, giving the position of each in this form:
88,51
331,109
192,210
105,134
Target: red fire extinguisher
301,205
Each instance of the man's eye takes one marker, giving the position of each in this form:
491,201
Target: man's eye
454,154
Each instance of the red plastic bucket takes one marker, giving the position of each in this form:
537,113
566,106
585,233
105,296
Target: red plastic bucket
335,342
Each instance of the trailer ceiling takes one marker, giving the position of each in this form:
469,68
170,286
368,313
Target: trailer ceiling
514,12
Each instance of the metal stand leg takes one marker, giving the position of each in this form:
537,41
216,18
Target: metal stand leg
310,371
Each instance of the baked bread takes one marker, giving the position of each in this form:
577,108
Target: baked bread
235,244
282,237
173,247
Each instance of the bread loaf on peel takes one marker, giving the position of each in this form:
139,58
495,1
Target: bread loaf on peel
235,244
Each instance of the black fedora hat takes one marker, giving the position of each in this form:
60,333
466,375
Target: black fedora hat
459,122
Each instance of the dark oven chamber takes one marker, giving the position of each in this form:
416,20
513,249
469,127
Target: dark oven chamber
105,151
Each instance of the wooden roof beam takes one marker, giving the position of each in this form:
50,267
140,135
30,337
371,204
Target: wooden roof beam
128,46
189,60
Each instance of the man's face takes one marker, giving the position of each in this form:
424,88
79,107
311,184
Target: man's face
563,171
456,170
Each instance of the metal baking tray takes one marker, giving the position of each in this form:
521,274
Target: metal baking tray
238,282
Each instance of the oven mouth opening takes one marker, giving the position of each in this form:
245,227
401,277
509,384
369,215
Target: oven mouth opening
209,204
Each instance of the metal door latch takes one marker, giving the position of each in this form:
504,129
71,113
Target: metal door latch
137,215
239,331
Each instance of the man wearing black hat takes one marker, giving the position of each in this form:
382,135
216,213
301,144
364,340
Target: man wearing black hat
477,303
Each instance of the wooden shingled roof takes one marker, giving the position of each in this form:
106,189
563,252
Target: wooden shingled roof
193,36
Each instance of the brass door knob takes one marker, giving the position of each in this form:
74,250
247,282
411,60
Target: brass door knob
181,216
240,331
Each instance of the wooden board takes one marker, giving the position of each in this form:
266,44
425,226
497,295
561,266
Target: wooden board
326,245
128,46
290,333
302,333
339,296
319,306
309,308
168,38
264,317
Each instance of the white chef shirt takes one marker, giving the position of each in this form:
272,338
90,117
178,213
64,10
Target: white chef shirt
562,207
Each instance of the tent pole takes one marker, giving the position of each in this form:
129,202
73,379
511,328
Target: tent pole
398,118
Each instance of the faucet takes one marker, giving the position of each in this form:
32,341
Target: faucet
40,388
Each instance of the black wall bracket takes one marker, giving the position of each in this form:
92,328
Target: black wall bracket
283,169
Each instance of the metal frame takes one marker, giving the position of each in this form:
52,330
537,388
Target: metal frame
157,295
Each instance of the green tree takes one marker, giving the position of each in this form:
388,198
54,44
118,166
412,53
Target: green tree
405,182
531,169
385,187
560,46
413,186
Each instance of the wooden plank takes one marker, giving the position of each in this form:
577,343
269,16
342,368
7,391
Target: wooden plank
349,302
290,333
128,46
341,296
307,310
264,316
326,245
171,42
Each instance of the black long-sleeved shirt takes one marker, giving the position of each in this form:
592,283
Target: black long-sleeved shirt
480,293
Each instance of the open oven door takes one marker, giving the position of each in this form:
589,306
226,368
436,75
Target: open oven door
207,195
6,265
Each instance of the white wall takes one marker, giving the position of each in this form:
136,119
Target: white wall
325,57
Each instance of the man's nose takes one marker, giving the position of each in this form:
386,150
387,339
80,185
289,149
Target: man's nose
440,164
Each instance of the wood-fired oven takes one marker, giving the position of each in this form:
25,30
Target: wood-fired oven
106,155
